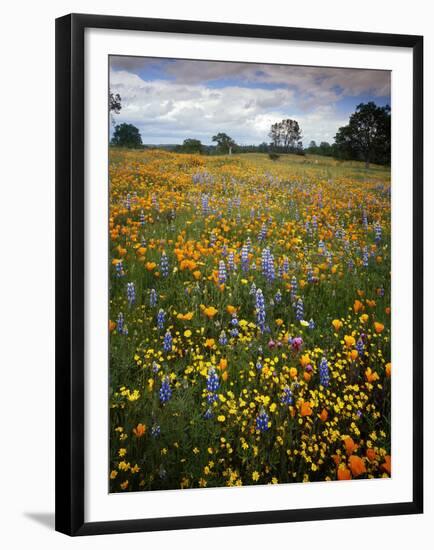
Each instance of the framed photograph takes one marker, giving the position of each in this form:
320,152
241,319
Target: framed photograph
238,274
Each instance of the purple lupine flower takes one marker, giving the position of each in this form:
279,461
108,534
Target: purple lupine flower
260,309
263,232
153,297
324,375
222,272
212,381
222,338
120,323
167,342
231,261
299,310
365,257
156,430
165,391
262,421
309,274
287,397
205,204
294,288
161,317
377,229
119,269
131,293
245,258
164,265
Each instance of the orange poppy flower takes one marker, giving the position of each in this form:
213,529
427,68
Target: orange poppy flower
349,341
324,415
306,409
350,446
388,369
357,466
352,356
336,459
379,327
387,465
112,325
371,455
139,430
223,365
337,324
343,473
210,311
185,316
358,306
370,375
305,360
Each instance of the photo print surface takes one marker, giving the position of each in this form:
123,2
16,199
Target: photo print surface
249,274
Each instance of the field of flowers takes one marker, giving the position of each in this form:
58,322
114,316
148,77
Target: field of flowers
249,320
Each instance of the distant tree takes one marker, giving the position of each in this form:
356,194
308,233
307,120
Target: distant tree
367,135
299,150
127,135
325,149
191,146
115,105
225,144
275,135
286,135
312,145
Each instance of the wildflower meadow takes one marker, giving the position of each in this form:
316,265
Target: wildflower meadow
249,320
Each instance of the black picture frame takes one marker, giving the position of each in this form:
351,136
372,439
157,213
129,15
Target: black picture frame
70,285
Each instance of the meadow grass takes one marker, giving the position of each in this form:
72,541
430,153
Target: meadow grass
249,320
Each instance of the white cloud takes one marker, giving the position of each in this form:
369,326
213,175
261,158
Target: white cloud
168,111
316,80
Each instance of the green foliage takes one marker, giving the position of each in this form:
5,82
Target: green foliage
189,449
127,135
191,146
286,136
224,142
273,156
115,104
324,149
367,135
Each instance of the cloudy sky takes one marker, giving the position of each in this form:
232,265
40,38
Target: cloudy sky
170,100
